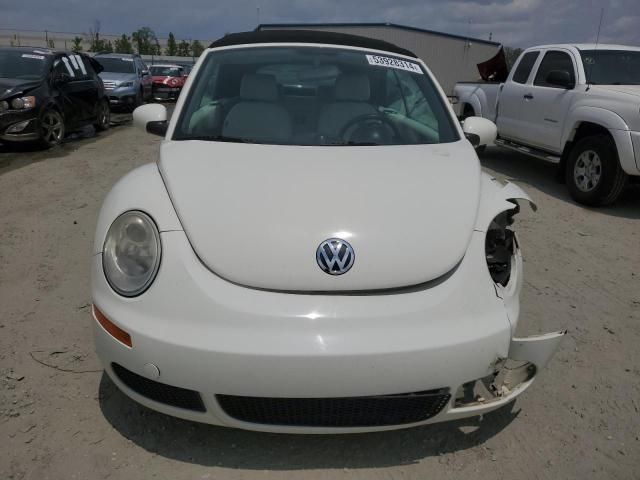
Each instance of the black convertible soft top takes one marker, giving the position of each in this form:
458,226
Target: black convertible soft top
308,36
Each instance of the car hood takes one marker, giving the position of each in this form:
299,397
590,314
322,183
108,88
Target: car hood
10,87
164,79
255,214
628,89
117,77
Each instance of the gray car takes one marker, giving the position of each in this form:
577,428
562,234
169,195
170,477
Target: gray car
126,79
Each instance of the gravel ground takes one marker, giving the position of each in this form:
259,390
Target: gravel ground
61,418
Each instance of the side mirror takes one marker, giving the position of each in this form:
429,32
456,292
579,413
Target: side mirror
559,78
479,131
61,78
145,72
151,118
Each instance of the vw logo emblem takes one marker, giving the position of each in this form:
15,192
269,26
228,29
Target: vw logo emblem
335,256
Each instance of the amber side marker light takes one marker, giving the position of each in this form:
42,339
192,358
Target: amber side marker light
112,329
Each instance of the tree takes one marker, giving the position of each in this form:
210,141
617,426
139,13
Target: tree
145,41
184,49
77,44
107,46
172,46
196,48
511,54
51,43
123,45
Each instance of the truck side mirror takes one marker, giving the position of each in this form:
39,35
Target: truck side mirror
479,131
560,78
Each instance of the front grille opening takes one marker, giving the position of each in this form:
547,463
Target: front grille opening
160,392
373,411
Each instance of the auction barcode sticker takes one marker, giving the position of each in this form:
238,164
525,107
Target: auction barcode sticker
394,63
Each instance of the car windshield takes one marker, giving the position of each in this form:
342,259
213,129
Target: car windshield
159,71
21,64
313,96
611,67
116,65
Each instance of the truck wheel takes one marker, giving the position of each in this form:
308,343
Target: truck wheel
593,173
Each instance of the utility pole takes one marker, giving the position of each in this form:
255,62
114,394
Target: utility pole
258,15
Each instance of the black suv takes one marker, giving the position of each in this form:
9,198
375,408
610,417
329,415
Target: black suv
45,93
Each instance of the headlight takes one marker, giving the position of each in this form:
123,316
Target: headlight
131,253
4,106
126,84
23,102
500,246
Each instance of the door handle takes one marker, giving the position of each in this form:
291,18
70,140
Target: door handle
528,96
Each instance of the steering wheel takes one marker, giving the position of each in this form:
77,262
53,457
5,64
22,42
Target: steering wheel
369,125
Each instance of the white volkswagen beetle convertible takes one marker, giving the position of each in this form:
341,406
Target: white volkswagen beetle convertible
316,249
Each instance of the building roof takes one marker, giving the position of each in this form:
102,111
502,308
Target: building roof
308,36
379,24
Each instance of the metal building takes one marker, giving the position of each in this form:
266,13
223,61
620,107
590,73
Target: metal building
452,58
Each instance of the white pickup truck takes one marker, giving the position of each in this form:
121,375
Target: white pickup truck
574,105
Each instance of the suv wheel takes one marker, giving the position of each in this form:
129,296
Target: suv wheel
593,174
103,117
51,128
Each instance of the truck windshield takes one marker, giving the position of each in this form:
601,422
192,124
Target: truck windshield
611,67
116,65
23,65
313,96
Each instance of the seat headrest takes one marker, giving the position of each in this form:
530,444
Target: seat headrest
259,86
353,87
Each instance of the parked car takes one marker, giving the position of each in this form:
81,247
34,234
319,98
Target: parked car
168,81
46,93
572,105
307,255
126,78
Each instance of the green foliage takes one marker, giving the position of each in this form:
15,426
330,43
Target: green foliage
77,44
123,45
172,46
196,48
51,43
184,49
146,41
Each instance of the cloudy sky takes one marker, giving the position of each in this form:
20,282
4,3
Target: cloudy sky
512,22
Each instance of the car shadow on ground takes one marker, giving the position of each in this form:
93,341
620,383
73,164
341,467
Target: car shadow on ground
18,155
209,445
542,176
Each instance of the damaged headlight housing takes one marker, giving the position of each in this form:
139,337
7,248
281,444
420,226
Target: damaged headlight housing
20,103
500,246
131,253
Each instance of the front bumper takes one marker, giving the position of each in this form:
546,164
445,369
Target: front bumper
195,331
163,92
14,117
121,96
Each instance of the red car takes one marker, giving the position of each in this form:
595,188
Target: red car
168,81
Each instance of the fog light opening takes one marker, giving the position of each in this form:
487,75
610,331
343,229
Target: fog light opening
18,127
507,377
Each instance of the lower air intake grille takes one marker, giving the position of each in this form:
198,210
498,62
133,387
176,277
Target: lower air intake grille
167,394
337,412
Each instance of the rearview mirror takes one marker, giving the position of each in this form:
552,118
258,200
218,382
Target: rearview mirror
479,131
151,118
559,78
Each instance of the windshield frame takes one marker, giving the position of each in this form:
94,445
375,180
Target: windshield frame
595,53
448,115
